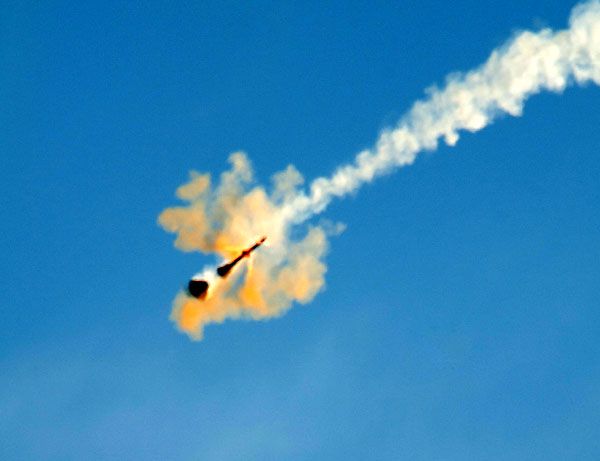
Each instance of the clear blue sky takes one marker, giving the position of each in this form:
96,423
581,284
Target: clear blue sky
461,317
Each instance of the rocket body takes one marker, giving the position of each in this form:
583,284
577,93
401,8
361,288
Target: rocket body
199,288
224,270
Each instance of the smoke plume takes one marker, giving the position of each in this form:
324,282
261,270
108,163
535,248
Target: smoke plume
225,218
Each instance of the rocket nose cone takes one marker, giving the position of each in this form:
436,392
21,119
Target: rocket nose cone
224,270
198,288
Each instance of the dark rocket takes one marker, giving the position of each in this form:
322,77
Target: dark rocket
199,288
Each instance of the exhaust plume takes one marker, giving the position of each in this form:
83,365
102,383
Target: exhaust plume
222,219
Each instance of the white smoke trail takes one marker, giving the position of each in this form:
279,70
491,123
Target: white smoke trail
227,218
528,64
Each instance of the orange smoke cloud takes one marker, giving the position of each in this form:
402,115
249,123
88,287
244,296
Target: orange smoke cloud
224,220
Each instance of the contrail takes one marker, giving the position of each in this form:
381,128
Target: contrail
225,218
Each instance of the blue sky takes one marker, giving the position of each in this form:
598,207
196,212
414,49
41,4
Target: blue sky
460,318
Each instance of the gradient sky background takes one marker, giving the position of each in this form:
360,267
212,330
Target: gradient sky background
461,317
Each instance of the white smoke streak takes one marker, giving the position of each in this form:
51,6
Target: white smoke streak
528,64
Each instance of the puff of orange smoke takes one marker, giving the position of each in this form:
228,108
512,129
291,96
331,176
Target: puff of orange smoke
222,220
